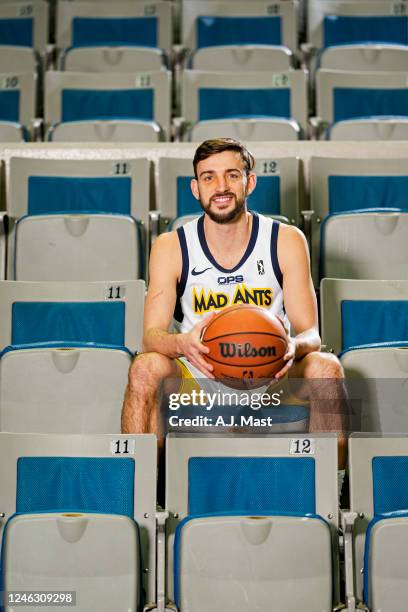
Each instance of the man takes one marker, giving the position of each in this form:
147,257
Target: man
184,268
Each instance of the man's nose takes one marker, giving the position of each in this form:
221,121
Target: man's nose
221,184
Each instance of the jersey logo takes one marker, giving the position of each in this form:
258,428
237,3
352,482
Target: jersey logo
205,301
195,272
261,267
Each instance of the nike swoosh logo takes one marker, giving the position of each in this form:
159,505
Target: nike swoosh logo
195,272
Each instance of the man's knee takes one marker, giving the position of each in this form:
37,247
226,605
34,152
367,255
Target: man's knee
150,369
322,365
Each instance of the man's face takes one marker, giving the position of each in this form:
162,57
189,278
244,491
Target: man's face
222,186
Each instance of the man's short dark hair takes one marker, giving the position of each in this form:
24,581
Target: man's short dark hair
219,145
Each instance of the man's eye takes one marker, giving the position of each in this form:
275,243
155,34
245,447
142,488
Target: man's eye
234,176
207,178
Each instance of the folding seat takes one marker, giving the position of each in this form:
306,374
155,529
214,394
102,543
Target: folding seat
377,523
79,520
238,508
82,107
362,35
249,130
240,35
389,128
360,217
374,96
119,37
24,26
376,380
77,219
357,313
209,96
276,193
65,354
18,103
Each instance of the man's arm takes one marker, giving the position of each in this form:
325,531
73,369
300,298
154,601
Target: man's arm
165,266
298,294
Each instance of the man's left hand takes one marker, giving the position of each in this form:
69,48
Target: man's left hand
288,358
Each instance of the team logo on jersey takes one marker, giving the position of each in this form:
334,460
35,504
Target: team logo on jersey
230,280
205,301
261,267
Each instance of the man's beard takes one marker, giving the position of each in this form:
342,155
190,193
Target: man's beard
232,215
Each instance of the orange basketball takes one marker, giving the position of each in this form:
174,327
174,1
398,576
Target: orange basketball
246,345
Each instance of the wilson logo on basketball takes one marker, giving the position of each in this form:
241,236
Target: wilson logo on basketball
230,350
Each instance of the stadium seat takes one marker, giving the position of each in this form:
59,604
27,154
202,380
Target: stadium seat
376,381
88,99
24,25
346,95
79,516
356,313
389,128
18,103
378,520
208,96
65,353
276,193
77,219
18,59
365,241
359,35
242,58
230,506
212,23
119,37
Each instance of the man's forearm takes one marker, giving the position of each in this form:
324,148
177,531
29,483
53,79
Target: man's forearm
307,342
160,341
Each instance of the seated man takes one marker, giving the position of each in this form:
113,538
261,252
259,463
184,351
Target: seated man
228,239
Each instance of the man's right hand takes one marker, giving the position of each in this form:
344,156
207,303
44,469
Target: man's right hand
193,349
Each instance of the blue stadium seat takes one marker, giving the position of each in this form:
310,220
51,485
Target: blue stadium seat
89,35
208,96
230,506
18,105
378,520
83,99
88,504
65,353
378,208
346,96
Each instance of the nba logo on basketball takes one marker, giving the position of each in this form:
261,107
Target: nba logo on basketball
261,267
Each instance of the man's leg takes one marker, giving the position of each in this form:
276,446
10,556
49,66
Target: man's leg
140,412
326,392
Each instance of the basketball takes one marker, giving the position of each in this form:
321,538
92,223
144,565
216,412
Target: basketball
246,345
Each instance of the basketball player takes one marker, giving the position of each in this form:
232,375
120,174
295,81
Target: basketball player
191,267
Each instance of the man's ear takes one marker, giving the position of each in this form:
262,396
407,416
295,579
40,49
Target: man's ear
251,183
194,188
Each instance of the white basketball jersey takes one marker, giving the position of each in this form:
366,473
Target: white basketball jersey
206,286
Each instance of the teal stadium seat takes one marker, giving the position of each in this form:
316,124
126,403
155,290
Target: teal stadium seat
65,354
95,530
78,219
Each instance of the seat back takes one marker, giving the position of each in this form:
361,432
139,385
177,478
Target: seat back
247,130
374,183
234,478
378,468
24,25
348,22
71,481
215,95
95,191
276,193
209,23
18,98
363,57
345,95
74,96
361,312
100,313
141,24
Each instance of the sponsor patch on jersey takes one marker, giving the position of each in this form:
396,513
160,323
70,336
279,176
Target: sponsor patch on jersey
205,301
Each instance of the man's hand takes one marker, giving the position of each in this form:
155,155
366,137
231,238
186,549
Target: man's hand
191,347
288,358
